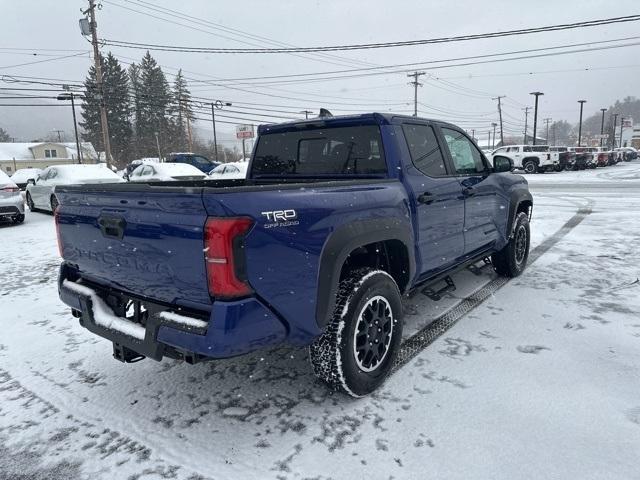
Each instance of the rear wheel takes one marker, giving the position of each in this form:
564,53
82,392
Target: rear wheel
512,259
18,218
529,166
357,350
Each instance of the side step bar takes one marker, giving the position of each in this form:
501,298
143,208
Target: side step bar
436,295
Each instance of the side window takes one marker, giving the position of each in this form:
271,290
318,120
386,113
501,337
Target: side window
467,160
425,151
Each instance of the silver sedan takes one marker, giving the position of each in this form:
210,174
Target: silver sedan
11,202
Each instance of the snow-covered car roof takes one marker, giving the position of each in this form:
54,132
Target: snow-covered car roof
5,180
167,171
23,174
85,173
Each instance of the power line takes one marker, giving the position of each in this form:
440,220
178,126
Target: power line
363,46
429,64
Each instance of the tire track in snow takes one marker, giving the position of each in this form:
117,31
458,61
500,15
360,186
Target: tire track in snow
417,342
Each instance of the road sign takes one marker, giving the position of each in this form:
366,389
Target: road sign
244,131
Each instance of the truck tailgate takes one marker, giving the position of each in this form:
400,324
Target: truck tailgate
144,239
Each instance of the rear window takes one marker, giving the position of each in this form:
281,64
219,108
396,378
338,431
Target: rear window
328,151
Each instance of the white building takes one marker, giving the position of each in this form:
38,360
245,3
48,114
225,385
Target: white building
14,156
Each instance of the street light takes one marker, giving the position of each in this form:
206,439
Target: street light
70,96
535,115
602,127
581,102
218,104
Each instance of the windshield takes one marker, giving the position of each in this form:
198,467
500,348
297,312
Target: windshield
326,151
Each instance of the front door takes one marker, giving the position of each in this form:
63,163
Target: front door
439,208
480,190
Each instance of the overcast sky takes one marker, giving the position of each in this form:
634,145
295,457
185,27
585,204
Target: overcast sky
53,24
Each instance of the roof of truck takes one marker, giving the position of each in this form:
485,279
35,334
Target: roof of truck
363,118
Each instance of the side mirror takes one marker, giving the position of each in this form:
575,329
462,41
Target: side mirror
31,181
502,164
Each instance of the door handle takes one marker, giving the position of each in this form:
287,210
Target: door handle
468,192
426,198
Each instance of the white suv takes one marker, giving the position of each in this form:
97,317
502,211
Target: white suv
530,158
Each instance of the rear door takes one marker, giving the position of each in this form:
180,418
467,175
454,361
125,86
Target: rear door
483,200
439,207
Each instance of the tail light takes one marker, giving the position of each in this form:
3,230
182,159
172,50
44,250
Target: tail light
224,254
56,217
548,156
10,189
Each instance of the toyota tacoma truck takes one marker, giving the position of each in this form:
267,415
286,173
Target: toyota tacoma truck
530,158
337,219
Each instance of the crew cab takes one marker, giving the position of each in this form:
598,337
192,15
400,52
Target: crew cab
337,219
530,158
566,159
584,158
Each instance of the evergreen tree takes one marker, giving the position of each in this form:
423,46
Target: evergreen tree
4,136
182,114
115,85
154,102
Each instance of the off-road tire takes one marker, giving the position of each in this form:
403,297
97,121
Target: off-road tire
529,166
512,259
333,354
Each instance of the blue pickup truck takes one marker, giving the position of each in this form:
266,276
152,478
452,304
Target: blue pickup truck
337,219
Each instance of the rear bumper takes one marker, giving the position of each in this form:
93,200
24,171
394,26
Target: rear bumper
230,329
12,206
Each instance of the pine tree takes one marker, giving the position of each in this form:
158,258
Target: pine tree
154,102
182,114
4,136
115,85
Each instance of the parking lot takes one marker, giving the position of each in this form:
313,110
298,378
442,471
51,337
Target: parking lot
540,380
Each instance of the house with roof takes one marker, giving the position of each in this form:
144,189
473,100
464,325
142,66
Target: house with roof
14,156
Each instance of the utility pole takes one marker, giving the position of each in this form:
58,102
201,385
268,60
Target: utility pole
547,121
526,118
68,95
581,102
500,114
306,114
553,129
621,126
473,134
494,125
489,140
100,89
59,134
535,116
613,133
415,84
218,104
602,126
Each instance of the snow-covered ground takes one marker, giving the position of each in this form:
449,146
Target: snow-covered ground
542,380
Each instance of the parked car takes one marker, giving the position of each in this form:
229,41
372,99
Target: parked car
23,175
530,158
626,153
40,193
229,170
166,172
337,219
566,159
602,157
584,158
136,163
11,202
201,162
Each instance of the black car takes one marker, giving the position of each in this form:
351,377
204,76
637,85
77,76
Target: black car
201,162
